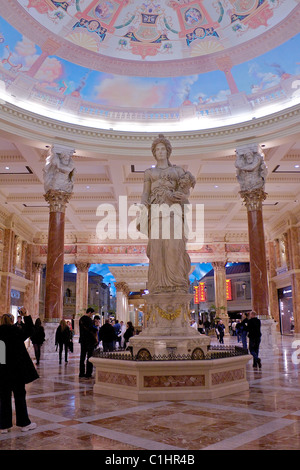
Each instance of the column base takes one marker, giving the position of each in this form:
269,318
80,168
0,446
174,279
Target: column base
268,344
50,331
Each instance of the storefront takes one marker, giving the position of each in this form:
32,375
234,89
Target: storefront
285,300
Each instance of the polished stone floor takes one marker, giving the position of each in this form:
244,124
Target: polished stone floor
70,416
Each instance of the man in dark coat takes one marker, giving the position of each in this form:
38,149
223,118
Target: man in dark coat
88,341
254,334
16,370
108,336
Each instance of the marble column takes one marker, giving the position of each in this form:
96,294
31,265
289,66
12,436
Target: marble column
251,174
293,236
258,262
58,185
273,293
7,268
122,301
36,274
55,256
220,291
82,279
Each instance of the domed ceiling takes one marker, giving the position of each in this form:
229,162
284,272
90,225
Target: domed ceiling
158,61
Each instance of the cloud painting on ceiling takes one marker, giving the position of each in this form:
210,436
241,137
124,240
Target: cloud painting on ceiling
19,56
157,30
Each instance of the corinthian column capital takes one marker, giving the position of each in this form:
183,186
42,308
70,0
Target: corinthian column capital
82,266
253,199
57,200
122,287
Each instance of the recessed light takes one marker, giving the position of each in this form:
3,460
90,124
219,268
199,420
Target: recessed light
87,187
297,166
7,167
216,186
152,166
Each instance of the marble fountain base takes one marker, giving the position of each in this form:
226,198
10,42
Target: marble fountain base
169,360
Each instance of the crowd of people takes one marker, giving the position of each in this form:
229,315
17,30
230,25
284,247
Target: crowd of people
247,329
17,368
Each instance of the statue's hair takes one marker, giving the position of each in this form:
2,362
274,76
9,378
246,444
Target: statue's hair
161,139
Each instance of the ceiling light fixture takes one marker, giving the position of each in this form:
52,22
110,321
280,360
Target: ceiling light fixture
7,167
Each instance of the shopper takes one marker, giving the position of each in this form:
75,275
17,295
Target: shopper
117,328
254,333
128,333
121,334
221,329
107,335
16,371
88,341
62,339
37,339
244,330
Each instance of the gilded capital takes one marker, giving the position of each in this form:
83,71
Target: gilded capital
253,199
57,200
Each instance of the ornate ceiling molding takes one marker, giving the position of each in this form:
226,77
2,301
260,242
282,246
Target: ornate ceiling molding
41,131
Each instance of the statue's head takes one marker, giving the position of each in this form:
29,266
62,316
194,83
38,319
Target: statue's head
161,139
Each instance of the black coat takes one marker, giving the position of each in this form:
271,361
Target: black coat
107,333
18,367
128,333
254,328
87,332
38,335
62,336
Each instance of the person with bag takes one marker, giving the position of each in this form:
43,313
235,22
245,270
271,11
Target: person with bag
37,339
15,372
62,340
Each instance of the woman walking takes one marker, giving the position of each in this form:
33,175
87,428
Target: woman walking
62,339
37,339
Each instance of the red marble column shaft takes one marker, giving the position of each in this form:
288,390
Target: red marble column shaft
55,267
258,263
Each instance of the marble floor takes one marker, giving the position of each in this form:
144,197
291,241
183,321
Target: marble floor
69,416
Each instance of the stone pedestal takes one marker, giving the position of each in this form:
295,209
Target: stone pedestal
168,332
268,344
49,344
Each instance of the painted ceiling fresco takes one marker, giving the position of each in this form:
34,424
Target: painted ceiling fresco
123,28
157,30
18,54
